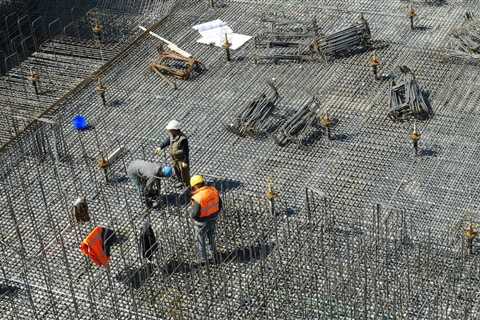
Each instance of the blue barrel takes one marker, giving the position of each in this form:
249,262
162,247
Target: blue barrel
80,122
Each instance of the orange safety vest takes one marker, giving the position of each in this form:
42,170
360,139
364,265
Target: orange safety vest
93,247
209,200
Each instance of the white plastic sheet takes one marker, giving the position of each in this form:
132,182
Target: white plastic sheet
214,33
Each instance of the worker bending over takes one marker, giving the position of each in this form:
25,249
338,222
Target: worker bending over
179,152
145,176
205,209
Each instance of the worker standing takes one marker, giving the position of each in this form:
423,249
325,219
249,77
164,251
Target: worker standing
179,152
205,209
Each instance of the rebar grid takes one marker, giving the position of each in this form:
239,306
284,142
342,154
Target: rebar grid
330,253
60,46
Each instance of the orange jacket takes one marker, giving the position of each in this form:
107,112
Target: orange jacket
209,200
94,247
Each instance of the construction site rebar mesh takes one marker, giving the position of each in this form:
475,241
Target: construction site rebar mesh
360,227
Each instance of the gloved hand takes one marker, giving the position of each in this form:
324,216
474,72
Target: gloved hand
158,151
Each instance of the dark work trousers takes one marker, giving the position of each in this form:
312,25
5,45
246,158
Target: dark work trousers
139,183
182,172
205,232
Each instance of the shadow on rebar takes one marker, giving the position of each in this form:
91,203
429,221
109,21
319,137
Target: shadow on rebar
171,199
247,254
136,278
343,137
312,138
224,184
8,291
422,28
428,153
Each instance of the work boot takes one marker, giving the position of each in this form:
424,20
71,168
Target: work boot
178,185
149,203
218,257
199,261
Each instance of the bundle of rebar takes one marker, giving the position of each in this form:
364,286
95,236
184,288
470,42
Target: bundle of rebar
305,43
346,41
281,27
465,40
407,99
253,120
285,39
296,127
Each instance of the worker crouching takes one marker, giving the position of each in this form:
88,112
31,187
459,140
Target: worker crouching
146,176
205,209
179,152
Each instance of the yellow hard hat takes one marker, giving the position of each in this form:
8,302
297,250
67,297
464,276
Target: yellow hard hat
196,180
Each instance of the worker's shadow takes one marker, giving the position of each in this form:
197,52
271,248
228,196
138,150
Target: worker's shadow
137,277
171,199
252,253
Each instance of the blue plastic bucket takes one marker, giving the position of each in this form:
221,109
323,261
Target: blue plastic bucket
80,122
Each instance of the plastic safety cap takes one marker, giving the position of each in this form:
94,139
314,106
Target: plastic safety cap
173,125
196,180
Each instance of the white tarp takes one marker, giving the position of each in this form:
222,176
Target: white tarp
213,33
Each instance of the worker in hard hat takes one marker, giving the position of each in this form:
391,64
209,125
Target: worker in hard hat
179,152
205,209
145,176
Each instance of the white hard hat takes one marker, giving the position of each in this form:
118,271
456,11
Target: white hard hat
173,125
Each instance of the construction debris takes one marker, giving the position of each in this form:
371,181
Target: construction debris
407,99
254,120
80,210
465,39
174,64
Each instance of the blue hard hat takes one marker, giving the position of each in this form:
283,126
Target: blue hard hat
167,171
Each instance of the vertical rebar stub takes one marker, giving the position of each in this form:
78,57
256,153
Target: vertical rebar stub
226,46
270,194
